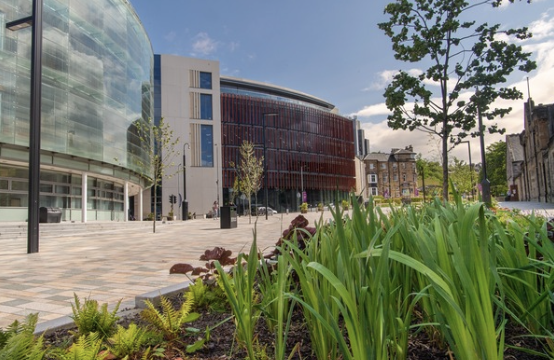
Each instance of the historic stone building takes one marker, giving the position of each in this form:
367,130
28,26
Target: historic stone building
530,156
392,175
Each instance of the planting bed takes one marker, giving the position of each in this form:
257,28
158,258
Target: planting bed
223,345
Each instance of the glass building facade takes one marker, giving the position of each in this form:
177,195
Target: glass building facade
97,78
308,148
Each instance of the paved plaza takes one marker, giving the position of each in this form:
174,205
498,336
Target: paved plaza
116,264
119,264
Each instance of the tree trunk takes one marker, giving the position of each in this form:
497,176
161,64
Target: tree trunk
445,167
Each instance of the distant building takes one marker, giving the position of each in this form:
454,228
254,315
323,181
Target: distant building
530,163
515,162
392,175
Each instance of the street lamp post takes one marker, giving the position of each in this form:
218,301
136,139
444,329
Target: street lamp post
470,168
179,191
35,20
485,183
265,163
184,209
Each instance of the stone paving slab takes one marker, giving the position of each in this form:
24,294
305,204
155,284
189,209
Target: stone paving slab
122,264
118,264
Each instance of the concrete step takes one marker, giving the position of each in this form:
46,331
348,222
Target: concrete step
19,230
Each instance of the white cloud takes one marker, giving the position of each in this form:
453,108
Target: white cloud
386,76
170,36
203,45
233,45
542,28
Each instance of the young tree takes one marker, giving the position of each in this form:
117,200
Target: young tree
460,174
160,147
496,167
249,173
429,174
466,63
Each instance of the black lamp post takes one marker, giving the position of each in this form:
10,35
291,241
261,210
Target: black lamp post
35,20
265,163
470,168
485,183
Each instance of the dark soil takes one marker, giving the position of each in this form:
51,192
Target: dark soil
223,344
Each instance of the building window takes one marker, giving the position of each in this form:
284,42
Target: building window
206,106
374,191
205,80
383,165
385,178
371,166
207,146
403,177
395,177
373,178
394,165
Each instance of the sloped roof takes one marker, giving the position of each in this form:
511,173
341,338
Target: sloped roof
377,157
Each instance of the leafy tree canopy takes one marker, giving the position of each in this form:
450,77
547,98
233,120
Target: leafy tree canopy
496,167
462,56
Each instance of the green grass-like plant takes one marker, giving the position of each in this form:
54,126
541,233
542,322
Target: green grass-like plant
242,298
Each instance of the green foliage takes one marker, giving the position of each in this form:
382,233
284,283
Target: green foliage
19,343
496,167
87,347
242,298
464,56
249,172
160,149
461,176
304,207
169,321
345,205
90,318
208,296
127,342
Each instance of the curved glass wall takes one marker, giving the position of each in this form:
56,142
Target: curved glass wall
97,75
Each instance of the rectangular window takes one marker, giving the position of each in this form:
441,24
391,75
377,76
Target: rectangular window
207,144
395,177
205,80
371,166
373,178
383,165
385,178
374,191
206,106
403,177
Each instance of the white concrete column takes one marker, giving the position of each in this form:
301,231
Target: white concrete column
140,211
84,200
126,201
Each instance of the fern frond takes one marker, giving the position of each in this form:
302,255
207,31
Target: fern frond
169,321
87,347
89,318
127,342
19,342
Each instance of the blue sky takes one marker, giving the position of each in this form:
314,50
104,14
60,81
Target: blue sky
333,50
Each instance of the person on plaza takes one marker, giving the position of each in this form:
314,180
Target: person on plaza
215,210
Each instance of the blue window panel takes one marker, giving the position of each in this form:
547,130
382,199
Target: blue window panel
207,144
206,106
205,80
